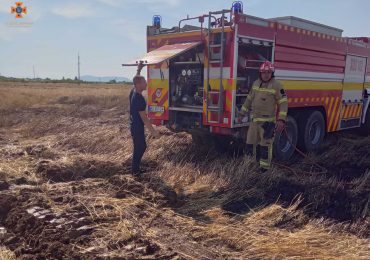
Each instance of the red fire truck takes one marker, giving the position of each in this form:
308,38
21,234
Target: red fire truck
199,76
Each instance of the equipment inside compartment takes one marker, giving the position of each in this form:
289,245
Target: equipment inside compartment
250,58
186,79
251,54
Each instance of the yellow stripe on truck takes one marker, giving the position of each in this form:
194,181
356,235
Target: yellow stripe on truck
215,86
353,111
343,111
358,112
353,86
154,84
330,109
346,112
334,112
311,85
158,83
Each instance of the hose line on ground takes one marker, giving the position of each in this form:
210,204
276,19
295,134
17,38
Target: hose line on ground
323,169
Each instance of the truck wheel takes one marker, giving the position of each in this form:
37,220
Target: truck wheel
365,127
311,131
284,146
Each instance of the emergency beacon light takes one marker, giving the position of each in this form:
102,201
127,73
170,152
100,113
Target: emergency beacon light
237,7
157,20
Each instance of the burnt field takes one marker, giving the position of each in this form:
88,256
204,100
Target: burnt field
66,191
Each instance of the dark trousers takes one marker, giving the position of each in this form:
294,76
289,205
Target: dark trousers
139,149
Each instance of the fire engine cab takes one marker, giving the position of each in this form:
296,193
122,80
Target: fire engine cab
199,76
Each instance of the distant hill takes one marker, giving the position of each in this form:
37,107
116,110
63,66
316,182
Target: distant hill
87,79
90,78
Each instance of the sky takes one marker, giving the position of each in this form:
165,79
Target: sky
107,33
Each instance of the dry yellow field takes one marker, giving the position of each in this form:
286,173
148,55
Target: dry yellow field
66,191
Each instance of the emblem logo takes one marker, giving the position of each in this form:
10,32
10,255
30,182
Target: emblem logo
19,10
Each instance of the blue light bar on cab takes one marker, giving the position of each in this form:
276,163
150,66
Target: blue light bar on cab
157,20
237,7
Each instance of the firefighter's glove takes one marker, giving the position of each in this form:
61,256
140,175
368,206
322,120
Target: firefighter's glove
280,125
269,130
243,117
242,114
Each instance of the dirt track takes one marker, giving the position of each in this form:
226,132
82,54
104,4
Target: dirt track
66,191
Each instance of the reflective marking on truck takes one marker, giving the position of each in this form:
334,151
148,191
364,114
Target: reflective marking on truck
351,111
334,112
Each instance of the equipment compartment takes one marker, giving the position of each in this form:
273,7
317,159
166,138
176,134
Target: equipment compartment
186,79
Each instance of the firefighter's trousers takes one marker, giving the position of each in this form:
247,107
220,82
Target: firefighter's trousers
259,146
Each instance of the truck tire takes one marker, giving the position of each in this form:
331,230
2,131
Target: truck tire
311,130
365,127
284,147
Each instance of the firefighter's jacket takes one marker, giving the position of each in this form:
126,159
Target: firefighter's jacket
263,101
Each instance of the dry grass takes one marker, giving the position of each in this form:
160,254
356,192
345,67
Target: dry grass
76,137
6,254
24,95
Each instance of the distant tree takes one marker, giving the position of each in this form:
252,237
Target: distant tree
113,81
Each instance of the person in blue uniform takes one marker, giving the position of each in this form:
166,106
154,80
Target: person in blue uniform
139,119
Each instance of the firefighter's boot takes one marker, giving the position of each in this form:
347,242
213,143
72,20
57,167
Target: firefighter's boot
262,144
266,155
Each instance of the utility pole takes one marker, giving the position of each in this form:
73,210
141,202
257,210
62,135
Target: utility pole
34,75
78,55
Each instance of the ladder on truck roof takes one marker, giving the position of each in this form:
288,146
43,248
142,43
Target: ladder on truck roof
219,107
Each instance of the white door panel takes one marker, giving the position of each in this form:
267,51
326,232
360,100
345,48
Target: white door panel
355,69
354,74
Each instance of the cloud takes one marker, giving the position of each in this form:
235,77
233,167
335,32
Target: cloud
111,2
132,30
74,10
116,3
9,32
5,33
5,6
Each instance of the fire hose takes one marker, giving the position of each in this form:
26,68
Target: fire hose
323,170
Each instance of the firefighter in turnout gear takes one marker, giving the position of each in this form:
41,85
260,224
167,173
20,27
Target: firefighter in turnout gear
267,105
